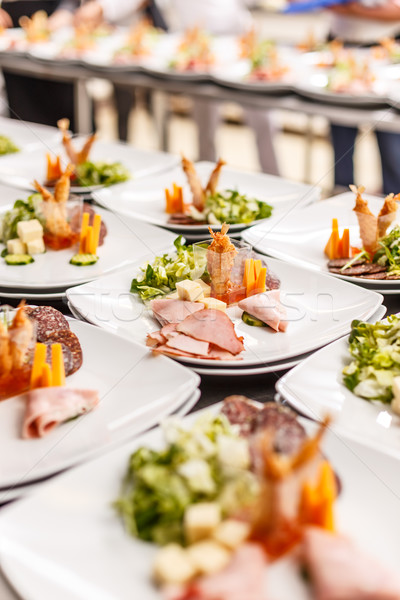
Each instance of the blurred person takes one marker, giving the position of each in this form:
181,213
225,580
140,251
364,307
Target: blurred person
365,23
218,17
30,98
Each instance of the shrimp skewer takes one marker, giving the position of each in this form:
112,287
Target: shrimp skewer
63,125
62,187
212,184
194,183
220,259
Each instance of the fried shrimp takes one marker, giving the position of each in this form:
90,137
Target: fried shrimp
220,259
212,184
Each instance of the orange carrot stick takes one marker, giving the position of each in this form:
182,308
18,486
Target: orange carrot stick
57,365
37,367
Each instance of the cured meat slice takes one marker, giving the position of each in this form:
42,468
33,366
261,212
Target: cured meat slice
155,339
241,412
242,579
103,228
341,571
217,354
360,269
171,351
282,422
214,326
67,357
376,276
188,344
47,320
338,263
65,337
267,308
169,330
169,310
272,281
48,407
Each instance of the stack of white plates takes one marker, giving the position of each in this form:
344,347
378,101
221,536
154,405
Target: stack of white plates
319,309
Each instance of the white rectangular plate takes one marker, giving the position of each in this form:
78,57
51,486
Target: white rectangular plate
301,236
320,309
125,241
66,541
145,199
135,389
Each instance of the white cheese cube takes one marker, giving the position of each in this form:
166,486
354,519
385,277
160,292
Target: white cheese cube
29,230
214,303
36,246
189,290
173,295
395,404
15,246
173,565
205,287
231,533
200,520
209,556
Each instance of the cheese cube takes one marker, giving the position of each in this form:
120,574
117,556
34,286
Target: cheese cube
36,246
190,290
214,303
209,556
15,246
29,230
395,404
205,287
173,296
200,520
173,565
231,533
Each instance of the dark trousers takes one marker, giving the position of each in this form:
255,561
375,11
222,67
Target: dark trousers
343,140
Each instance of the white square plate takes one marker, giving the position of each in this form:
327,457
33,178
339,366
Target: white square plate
145,199
67,542
135,390
320,309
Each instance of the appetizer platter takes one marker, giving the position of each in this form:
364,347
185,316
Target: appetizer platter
355,380
50,242
221,193
213,304
305,238
96,163
228,563
67,373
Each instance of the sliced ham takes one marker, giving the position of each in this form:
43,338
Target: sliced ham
214,326
48,407
155,339
169,310
217,354
242,579
188,344
164,349
267,308
341,571
169,330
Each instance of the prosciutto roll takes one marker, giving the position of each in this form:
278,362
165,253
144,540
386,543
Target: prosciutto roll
50,406
267,308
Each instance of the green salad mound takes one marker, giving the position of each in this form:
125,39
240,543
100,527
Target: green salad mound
23,210
161,276
7,146
375,350
389,253
231,207
101,173
209,462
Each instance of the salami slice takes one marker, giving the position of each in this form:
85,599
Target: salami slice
67,338
377,276
47,319
67,356
360,270
272,281
103,229
338,263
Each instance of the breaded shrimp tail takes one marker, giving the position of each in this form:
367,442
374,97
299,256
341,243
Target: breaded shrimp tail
214,177
194,183
367,222
387,214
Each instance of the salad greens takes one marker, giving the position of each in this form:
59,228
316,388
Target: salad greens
23,210
376,359
389,253
7,146
231,207
208,462
101,173
161,276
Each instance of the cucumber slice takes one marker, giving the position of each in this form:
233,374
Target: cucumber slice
84,260
18,259
249,320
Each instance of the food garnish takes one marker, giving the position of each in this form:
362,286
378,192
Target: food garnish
375,352
36,28
7,146
212,206
338,247
351,76
194,52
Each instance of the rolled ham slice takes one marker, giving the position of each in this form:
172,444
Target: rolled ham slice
169,310
341,571
214,326
242,579
267,308
48,407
